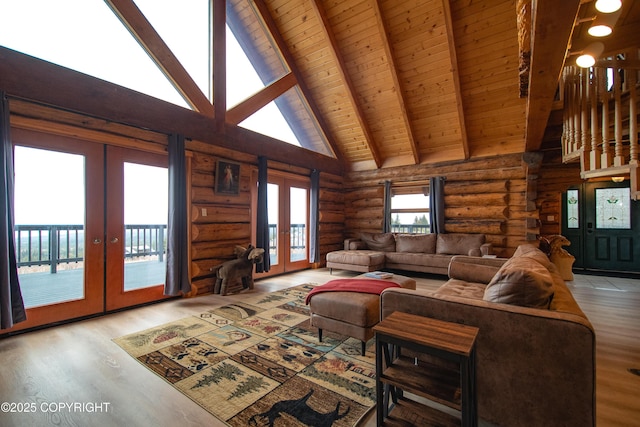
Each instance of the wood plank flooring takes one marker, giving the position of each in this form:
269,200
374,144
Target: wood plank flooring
78,362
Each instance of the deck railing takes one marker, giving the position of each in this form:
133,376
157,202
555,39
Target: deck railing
55,244
411,228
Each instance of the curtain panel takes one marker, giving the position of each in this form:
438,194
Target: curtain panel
262,221
177,279
314,217
12,309
436,200
386,221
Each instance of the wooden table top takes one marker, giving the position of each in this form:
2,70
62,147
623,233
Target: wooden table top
447,336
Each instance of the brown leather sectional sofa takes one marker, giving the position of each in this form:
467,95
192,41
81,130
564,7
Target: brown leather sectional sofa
426,253
535,352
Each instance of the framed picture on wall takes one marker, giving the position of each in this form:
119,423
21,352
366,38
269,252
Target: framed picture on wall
227,177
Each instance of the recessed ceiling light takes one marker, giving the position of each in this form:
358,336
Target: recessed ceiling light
608,6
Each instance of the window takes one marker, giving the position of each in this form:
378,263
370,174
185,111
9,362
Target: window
87,36
410,210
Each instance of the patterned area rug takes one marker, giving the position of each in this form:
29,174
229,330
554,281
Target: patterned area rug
259,363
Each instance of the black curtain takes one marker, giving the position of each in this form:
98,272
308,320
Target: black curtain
11,304
262,225
177,280
436,200
386,221
314,217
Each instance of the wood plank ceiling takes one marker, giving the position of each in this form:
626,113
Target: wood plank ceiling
422,81
404,83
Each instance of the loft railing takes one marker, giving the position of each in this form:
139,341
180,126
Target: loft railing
601,121
55,244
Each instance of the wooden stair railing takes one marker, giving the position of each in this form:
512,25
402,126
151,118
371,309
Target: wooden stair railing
600,123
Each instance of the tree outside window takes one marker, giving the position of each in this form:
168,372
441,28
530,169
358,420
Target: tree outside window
410,210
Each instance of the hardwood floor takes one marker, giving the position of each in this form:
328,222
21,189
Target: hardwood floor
77,363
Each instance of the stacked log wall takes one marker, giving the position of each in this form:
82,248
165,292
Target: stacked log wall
491,196
219,222
331,227
555,178
228,219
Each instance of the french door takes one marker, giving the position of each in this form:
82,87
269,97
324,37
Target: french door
602,223
288,214
90,225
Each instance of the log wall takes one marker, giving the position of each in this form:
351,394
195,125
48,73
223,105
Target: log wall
221,221
555,178
495,196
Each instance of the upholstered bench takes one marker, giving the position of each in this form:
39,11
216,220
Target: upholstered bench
360,260
353,314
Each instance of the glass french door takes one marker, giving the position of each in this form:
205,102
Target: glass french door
288,213
136,224
90,224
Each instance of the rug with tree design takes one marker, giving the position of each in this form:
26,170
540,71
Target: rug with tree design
258,362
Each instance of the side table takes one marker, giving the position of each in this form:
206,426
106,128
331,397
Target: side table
397,373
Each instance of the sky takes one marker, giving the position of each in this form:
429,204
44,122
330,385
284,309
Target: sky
50,189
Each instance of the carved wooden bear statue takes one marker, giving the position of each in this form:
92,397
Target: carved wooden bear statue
237,272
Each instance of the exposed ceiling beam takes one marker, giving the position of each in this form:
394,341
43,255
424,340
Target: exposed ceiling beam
219,58
249,106
453,57
152,43
263,12
351,92
25,77
393,69
553,24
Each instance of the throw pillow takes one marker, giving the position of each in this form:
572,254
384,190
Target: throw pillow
521,281
531,252
416,243
379,241
458,243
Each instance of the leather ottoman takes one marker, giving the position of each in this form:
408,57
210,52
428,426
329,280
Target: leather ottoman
353,314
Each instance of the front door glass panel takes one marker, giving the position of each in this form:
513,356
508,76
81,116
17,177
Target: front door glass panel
613,208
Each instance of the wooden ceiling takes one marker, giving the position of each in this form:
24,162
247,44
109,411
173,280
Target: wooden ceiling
413,82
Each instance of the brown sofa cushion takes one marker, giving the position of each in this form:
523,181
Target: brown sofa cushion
379,241
459,244
521,281
420,243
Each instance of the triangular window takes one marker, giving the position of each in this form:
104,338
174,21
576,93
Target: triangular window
254,62
86,36
170,18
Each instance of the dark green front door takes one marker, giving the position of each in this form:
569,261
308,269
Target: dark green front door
603,225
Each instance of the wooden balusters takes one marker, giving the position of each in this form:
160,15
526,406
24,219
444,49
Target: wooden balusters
618,159
594,154
585,139
603,92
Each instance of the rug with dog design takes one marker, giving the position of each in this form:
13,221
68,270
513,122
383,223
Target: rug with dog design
259,363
